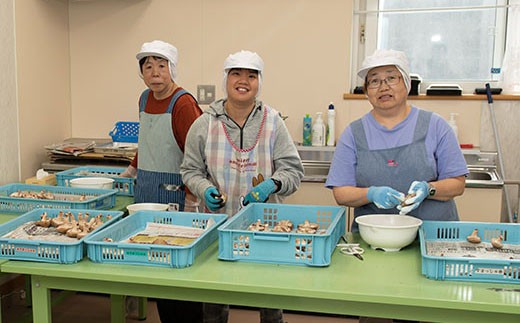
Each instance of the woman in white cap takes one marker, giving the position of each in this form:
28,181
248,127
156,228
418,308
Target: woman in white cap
397,149
166,112
240,151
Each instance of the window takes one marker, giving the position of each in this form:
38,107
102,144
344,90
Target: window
447,41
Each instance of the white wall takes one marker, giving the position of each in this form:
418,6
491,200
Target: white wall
306,61
43,78
9,153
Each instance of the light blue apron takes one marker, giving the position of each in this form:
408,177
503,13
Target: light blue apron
398,167
159,157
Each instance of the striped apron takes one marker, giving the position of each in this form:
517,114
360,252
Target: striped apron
232,169
159,158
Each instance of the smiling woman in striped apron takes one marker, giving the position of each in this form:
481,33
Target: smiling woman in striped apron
239,152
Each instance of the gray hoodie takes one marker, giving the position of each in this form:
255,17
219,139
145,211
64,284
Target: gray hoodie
288,168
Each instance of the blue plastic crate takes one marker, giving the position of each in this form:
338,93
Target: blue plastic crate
439,266
124,185
66,198
125,131
118,252
236,242
46,251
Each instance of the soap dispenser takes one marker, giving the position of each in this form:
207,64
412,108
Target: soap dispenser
453,124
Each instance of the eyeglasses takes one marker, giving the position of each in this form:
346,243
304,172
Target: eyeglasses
389,80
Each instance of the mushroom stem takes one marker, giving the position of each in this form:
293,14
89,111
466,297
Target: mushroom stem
474,238
497,242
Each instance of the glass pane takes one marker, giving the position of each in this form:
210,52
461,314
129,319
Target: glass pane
445,45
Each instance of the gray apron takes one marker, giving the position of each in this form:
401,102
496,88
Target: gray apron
398,167
159,158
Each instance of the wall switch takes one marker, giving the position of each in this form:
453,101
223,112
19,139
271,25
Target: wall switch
205,94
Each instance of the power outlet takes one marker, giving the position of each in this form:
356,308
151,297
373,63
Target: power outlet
205,94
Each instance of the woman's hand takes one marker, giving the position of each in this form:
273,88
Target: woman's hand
416,194
384,197
213,199
129,172
260,193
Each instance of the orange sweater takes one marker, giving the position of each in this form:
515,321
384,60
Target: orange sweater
185,111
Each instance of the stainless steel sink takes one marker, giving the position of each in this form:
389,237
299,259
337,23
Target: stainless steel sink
316,162
479,176
316,154
482,169
483,177
481,165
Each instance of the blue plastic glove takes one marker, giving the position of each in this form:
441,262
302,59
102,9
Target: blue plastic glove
213,199
260,193
384,197
419,191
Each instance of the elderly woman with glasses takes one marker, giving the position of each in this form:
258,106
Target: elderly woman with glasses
397,158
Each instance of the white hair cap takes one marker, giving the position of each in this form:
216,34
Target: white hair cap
160,49
243,59
384,57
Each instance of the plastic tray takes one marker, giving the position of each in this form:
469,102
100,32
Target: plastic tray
125,186
474,269
153,255
125,131
45,251
96,198
236,242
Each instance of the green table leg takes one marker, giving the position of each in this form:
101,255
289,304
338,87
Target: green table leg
117,309
143,302
42,309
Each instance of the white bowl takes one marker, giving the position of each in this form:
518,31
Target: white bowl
389,232
92,182
132,208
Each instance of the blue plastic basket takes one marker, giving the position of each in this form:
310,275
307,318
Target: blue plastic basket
66,198
118,252
46,251
236,242
469,268
125,131
124,185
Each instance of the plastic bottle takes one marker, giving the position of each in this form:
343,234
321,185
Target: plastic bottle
331,114
318,131
453,124
307,130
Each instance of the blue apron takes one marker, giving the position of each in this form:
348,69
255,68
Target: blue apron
398,167
159,158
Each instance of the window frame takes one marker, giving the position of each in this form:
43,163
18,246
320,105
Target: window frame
364,42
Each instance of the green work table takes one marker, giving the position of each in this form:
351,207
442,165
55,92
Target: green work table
383,285
120,205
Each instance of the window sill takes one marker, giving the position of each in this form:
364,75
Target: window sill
475,97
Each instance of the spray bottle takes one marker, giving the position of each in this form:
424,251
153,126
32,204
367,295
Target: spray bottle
318,131
453,124
331,114
307,130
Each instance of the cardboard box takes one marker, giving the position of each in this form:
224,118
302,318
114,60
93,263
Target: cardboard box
47,180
